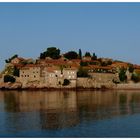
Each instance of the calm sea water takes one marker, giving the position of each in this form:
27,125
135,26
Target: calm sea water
70,114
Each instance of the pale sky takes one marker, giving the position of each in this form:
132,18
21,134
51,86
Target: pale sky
108,29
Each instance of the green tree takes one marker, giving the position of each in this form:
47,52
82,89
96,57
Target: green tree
135,77
52,52
71,55
94,56
131,68
16,71
87,54
83,63
66,82
9,60
82,73
122,75
80,54
8,78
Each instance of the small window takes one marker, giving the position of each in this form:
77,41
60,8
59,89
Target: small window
34,76
25,75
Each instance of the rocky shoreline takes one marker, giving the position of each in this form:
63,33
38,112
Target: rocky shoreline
18,86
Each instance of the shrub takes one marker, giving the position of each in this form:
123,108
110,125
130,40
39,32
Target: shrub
135,78
71,55
82,73
8,78
131,68
122,75
83,63
16,72
66,82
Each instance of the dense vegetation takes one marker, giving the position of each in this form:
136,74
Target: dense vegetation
52,52
135,77
66,82
16,72
71,55
8,78
122,75
82,72
9,60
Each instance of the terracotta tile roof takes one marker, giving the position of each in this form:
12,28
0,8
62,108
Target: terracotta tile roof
119,64
70,69
52,69
30,66
136,66
100,67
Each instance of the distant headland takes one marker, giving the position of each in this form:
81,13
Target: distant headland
71,70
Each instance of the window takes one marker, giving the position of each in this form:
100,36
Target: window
34,76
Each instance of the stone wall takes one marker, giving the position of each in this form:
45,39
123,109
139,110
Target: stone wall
103,77
97,80
128,86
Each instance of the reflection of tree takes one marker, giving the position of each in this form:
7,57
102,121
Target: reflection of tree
11,102
123,98
63,109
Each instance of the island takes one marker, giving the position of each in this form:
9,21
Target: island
71,70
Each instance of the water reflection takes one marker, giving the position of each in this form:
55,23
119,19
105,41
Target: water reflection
64,109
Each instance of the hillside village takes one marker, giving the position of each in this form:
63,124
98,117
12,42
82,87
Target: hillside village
69,70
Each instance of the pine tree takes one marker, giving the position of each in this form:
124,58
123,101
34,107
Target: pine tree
80,54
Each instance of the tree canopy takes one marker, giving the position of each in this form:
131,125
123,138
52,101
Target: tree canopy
94,56
9,60
71,55
9,78
80,54
87,54
82,73
122,75
52,52
131,68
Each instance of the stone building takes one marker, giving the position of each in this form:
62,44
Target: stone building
29,73
54,76
88,58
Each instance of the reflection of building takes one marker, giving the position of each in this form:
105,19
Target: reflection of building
59,109
53,109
